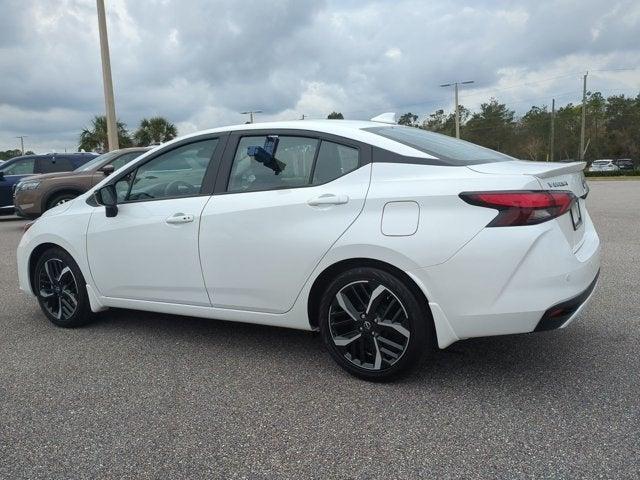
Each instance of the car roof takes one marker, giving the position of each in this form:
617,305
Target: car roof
353,129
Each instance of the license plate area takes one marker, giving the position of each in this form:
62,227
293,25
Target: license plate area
576,215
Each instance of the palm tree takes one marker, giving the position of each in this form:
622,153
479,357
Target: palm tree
95,137
154,130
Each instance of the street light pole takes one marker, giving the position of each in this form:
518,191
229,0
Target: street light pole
112,129
457,111
552,140
250,113
584,115
21,137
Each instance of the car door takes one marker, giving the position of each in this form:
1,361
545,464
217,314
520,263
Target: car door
149,250
12,173
264,233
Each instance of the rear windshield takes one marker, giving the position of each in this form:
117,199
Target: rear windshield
450,150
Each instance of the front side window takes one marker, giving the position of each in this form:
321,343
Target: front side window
294,156
19,167
176,173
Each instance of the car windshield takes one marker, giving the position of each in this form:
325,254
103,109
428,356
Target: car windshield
451,150
601,162
96,161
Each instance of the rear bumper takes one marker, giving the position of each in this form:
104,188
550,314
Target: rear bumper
562,314
506,281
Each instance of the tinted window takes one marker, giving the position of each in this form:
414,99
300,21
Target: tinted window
96,161
295,155
122,160
53,164
19,167
176,173
449,149
334,160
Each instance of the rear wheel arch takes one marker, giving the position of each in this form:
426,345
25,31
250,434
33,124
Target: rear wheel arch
331,272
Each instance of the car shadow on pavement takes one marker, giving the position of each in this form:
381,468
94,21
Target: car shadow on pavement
520,358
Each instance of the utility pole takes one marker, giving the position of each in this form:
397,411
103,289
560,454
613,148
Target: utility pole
112,129
457,111
584,115
553,130
21,137
250,113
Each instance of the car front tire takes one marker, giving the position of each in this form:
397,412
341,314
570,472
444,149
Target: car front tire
61,289
373,324
60,199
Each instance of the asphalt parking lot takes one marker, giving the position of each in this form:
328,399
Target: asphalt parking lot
140,395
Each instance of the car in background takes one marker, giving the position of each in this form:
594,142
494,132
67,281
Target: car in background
16,169
37,194
603,166
625,164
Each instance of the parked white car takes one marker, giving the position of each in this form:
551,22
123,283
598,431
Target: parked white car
603,166
387,239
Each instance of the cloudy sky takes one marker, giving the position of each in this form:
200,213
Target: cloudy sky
201,62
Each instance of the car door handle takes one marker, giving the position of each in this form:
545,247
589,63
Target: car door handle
178,218
328,199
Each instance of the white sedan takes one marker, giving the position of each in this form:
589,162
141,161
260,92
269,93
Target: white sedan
603,166
389,240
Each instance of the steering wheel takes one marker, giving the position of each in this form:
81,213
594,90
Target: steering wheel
179,188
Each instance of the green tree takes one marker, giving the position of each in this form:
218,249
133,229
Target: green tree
154,130
8,154
623,126
445,123
95,137
335,116
409,119
532,134
493,127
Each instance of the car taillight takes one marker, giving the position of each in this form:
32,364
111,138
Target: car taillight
522,207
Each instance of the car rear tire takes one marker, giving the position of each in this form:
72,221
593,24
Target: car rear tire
61,289
373,325
60,199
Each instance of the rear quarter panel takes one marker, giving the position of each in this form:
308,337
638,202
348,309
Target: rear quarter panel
445,223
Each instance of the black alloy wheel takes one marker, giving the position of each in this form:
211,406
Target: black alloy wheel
61,289
374,326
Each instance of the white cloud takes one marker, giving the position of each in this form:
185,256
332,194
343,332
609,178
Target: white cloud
200,63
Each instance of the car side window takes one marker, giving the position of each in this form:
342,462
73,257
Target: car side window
294,156
53,164
122,160
334,160
20,167
176,173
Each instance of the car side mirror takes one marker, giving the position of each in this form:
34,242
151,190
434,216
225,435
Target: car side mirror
1,176
108,197
107,170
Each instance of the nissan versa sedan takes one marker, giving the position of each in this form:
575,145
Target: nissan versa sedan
389,240
39,193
